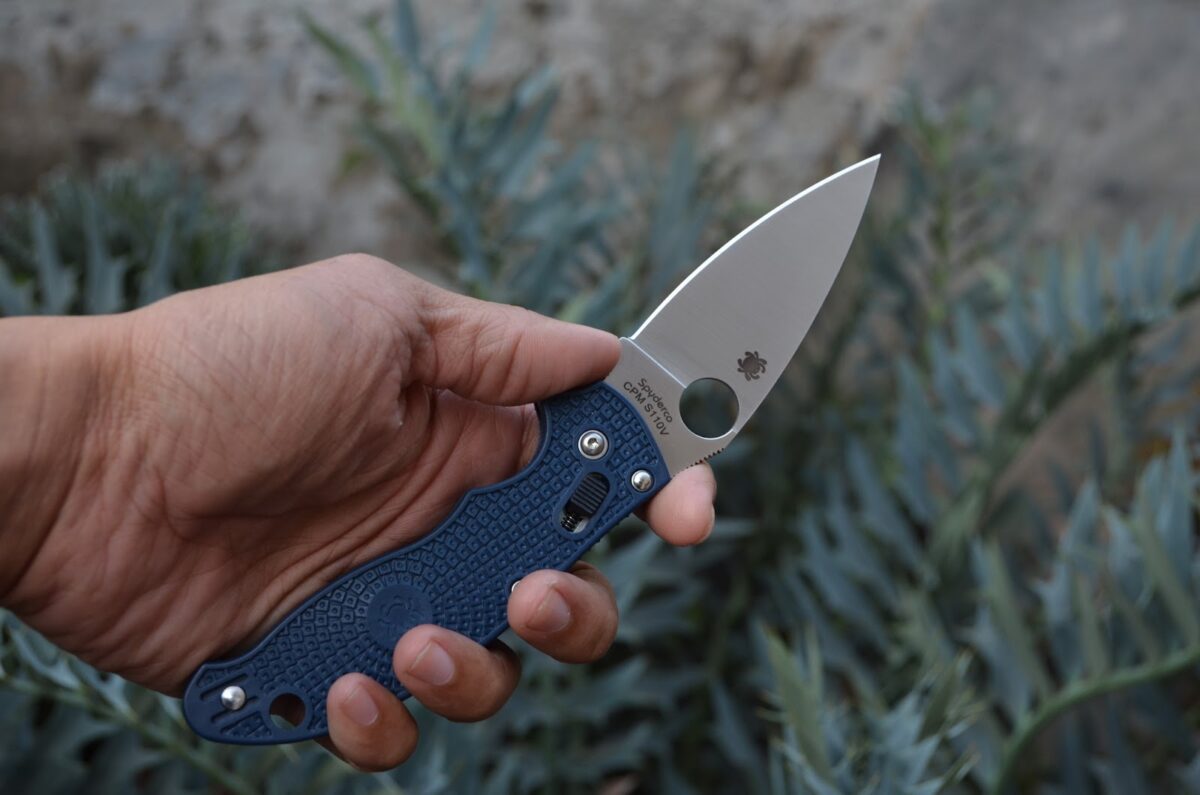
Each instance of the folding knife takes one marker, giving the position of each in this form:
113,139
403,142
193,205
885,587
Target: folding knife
605,449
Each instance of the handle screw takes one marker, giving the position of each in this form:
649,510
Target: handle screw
233,698
593,444
641,480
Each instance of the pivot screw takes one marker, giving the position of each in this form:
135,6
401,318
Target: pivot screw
233,698
593,444
641,480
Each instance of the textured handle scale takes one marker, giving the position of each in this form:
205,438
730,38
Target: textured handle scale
459,576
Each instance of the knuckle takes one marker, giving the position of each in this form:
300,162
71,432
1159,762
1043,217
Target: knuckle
393,757
506,673
593,577
361,261
377,765
601,639
476,706
496,356
531,434
380,751
481,710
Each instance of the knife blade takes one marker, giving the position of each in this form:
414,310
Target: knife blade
740,317
605,450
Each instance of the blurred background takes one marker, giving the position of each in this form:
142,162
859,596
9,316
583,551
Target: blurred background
1099,95
956,549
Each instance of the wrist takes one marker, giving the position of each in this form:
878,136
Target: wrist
58,383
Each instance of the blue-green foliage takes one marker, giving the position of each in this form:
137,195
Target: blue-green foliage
68,728
905,592
1073,620
129,237
524,218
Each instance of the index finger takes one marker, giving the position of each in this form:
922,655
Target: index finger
682,513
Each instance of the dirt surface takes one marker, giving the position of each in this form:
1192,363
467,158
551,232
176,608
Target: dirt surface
1100,95
240,90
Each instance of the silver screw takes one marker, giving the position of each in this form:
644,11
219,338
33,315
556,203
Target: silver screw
593,444
233,698
641,480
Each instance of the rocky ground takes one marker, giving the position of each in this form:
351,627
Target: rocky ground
1100,95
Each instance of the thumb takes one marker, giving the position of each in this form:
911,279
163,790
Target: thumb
501,354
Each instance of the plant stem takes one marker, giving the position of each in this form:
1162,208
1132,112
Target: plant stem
1077,693
1039,396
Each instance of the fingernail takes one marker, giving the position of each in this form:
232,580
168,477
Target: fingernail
360,707
552,615
433,665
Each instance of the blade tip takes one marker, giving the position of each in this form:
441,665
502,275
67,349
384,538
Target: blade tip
866,168
871,162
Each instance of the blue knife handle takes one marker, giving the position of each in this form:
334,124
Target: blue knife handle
459,576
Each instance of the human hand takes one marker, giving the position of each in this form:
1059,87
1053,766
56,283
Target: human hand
243,445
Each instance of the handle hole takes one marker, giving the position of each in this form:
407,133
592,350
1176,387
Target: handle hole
287,711
709,407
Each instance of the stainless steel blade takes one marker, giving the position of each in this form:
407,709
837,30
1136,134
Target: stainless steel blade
741,315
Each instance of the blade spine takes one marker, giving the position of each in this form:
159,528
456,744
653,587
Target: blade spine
716,255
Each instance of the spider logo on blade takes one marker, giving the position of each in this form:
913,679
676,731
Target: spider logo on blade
752,366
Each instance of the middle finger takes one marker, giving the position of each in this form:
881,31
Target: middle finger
572,616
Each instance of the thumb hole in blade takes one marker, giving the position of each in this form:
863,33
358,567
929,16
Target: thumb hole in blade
709,407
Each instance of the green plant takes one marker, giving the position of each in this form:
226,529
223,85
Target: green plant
928,558
69,728
132,235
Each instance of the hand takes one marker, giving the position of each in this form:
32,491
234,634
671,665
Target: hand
247,444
